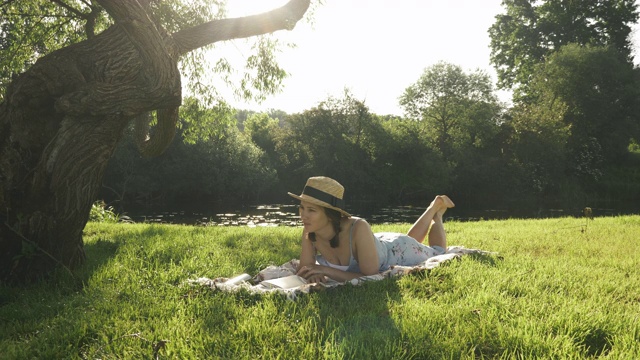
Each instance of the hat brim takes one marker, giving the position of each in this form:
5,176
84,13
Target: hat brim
313,200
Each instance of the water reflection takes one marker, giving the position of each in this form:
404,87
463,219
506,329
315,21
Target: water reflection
268,215
287,215
252,216
261,215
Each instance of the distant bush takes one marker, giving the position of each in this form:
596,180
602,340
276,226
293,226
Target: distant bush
100,212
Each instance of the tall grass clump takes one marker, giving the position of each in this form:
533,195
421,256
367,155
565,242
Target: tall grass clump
101,212
558,289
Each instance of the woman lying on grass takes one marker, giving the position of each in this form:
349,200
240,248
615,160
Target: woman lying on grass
347,246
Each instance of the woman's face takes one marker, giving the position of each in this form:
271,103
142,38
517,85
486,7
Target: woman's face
313,217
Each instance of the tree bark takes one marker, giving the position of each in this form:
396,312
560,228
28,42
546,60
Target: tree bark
62,119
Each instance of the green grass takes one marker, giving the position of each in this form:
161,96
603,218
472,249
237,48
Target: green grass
557,292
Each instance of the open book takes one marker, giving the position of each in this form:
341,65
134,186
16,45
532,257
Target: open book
287,282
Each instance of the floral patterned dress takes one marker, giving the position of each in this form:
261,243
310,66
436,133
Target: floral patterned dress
393,249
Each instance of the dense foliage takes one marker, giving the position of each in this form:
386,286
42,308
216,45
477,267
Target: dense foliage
523,159
531,30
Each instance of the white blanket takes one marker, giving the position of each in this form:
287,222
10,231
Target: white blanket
254,285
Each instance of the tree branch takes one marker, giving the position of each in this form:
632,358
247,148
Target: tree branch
165,131
282,18
149,40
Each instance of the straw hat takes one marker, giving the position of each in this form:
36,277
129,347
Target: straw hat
323,191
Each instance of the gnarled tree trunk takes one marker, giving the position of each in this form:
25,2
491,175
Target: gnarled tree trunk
62,119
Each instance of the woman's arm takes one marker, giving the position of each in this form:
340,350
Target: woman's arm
311,272
364,251
307,259
307,253
364,248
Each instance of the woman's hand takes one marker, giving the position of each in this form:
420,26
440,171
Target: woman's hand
312,273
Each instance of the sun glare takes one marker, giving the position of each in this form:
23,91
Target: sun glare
252,7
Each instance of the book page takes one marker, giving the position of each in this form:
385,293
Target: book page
286,282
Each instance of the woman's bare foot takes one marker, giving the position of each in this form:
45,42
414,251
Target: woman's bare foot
441,203
432,219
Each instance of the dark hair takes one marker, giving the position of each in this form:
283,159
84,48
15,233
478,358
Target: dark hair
334,216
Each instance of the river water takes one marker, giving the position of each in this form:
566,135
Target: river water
287,215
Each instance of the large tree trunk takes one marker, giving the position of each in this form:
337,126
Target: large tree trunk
62,119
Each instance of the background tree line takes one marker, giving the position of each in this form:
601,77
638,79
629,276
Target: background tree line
570,141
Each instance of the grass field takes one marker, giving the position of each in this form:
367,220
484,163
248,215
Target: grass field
561,289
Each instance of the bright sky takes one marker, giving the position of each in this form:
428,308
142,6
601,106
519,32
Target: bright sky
376,48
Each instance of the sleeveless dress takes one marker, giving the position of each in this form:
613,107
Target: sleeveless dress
393,249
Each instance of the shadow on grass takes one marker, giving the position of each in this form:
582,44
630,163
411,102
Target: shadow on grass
101,251
49,295
358,320
35,303
97,253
